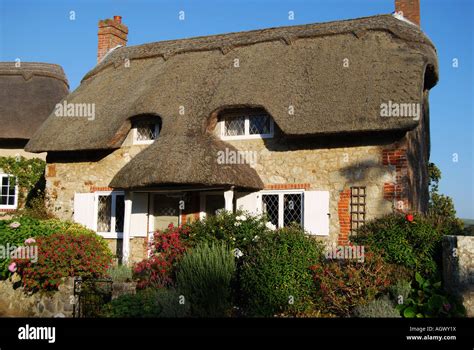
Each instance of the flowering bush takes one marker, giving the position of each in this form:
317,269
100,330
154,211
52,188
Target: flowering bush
411,242
64,255
237,230
13,234
167,247
343,284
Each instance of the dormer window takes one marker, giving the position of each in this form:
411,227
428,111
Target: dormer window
145,132
246,126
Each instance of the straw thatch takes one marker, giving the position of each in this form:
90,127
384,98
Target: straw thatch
299,66
186,159
28,95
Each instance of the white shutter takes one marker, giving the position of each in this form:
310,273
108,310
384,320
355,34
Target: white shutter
139,217
84,209
316,212
250,201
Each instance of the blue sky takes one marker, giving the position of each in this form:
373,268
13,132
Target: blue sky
35,30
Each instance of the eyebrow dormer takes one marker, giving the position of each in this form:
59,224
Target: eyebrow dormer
245,123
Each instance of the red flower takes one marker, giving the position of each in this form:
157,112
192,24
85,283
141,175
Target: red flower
409,217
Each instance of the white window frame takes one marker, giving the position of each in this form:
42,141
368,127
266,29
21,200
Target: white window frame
145,142
112,234
15,203
280,194
247,135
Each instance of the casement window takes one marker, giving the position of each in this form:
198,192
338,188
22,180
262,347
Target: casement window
109,214
145,132
246,126
308,208
358,202
8,192
283,208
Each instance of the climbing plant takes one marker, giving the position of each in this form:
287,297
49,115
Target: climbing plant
29,174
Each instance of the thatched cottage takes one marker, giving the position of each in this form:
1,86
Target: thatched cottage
325,125
29,92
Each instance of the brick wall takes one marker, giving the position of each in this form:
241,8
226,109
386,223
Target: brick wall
344,216
397,191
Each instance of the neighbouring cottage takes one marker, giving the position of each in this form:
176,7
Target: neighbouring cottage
325,125
28,93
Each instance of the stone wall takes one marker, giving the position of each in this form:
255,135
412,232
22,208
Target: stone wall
328,164
15,302
458,269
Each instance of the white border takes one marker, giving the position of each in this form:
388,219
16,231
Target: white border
15,203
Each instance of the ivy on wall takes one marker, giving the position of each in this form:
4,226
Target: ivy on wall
29,174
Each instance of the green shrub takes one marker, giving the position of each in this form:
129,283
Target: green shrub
120,273
415,245
428,299
204,277
378,308
400,291
342,285
64,255
148,302
275,276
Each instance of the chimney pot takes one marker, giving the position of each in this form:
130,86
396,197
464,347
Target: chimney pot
118,19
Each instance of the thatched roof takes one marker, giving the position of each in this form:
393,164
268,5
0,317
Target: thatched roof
28,95
300,66
186,159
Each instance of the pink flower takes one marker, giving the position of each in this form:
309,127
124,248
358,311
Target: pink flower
30,240
12,267
15,224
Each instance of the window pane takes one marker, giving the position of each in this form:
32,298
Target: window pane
103,215
234,126
259,124
4,190
3,200
270,207
11,200
214,203
5,180
166,211
146,132
292,209
119,213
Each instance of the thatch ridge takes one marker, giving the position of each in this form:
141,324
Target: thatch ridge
28,94
299,66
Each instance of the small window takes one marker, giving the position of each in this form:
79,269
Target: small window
145,132
110,213
284,208
358,196
247,126
8,192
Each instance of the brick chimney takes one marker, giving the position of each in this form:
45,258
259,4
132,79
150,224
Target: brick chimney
111,33
410,9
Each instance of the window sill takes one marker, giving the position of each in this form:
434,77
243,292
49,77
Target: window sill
111,235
